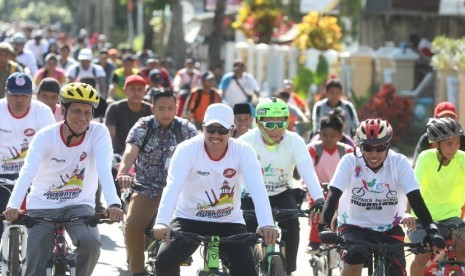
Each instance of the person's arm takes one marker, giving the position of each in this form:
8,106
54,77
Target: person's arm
353,116
111,120
103,152
315,118
304,163
329,208
127,160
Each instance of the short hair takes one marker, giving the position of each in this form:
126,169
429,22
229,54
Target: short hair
333,83
338,111
283,94
156,93
331,121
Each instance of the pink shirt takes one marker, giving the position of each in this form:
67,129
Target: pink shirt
328,162
57,114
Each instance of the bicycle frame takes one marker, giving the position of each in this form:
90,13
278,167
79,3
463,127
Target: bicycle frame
5,246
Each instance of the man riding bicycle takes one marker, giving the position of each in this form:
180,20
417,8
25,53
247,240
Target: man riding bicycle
64,163
370,189
279,152
204,181
441,174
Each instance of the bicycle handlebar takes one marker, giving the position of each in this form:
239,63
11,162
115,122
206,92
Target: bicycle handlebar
243,238
6,181
377,246
92,220
280,215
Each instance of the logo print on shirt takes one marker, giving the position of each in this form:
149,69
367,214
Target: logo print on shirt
203,173
358,171
229,173
83,156
29,132
375,187
210,209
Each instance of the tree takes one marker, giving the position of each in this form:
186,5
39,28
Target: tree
214,53
176,44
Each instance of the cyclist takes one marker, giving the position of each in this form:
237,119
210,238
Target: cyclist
204,179
371,188
21,118
64,164
441,175
279,152
151,141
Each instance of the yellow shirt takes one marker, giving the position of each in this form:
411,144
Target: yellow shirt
443,191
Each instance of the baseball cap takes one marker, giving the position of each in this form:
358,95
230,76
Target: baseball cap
444,108
219,113
49,85
85,54
155,75
208,75
135,79
288,82
19,83
128,57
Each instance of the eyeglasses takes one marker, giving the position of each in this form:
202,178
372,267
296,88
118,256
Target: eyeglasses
272,124
380,148
220,129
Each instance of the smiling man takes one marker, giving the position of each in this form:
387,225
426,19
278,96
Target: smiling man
203,192
371,188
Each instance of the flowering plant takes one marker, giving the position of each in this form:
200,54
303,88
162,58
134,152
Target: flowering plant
388,106
321,32
261,20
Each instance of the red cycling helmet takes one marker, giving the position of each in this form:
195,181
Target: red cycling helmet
373,131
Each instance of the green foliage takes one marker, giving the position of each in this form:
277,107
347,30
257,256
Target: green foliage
306,77
46,16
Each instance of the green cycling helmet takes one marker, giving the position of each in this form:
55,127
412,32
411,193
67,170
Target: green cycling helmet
271,107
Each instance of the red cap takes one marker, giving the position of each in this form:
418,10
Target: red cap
444,108
135,79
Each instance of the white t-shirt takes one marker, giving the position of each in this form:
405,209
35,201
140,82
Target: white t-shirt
17,133
63,176
373,200
83,73
202,189
278,166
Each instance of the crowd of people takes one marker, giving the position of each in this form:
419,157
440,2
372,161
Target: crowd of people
201,146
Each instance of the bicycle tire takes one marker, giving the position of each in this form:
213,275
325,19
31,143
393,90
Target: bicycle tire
276,266
14,263
258,257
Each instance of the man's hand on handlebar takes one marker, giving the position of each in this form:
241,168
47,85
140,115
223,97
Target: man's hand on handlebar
269,233
11,214
162,232
114,213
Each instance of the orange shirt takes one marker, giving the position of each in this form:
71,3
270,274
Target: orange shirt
199,112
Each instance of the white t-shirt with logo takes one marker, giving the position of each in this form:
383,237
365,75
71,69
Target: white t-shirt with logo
63,176
202,189
278,166
373,200
17,133
83,73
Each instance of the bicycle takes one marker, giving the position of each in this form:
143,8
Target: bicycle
13,245
378,252
271,259
61,260
444,262
211,250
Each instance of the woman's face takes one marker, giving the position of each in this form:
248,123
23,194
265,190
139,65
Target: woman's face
374,155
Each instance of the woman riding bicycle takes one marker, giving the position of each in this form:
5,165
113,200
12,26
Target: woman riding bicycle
64,163
374,215
441,174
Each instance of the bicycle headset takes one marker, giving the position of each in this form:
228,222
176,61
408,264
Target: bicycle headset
440,129
271,107
371,132
77,92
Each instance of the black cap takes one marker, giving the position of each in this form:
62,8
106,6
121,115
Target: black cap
242,108
49,85
208,75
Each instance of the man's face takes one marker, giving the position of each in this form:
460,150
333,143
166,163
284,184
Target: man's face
164,109
274,132
48,98
242,121
216,137
374,155
135,93
64,52
79,116
334,95
18,104
85,64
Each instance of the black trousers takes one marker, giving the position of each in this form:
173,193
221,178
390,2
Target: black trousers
237,257
290,227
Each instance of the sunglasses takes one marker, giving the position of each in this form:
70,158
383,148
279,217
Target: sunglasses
272,125
380,148
220,129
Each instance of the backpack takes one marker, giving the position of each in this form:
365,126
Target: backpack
319,151
199,98
177,127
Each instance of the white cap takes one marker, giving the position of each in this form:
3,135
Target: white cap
85,54
219,113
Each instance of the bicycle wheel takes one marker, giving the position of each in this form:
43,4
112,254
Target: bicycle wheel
276,266
14,264
59,269
258,257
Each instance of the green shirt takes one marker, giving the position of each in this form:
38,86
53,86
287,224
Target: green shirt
443,191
